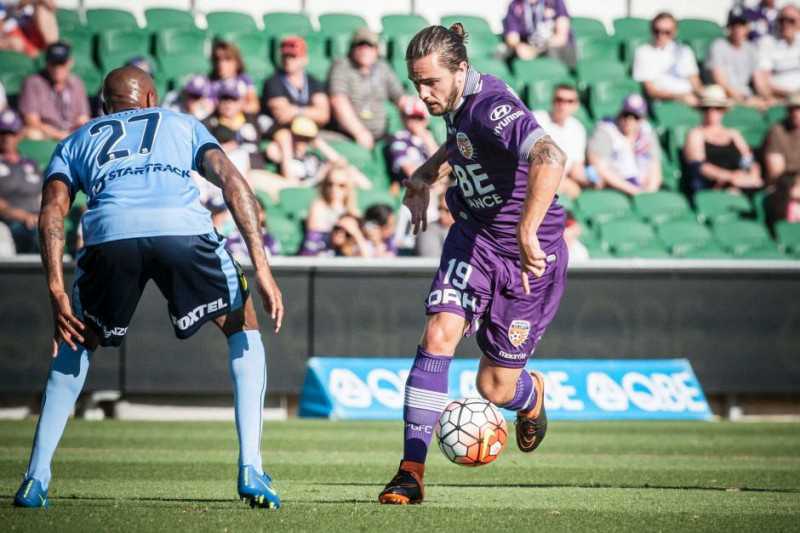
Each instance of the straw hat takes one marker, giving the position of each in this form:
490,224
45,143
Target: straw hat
793,100
714,96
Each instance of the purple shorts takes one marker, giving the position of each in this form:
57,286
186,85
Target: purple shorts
486,289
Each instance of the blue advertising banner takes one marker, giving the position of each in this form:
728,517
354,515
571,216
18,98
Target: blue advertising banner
575,389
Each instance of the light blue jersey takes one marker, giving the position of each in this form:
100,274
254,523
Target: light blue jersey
135,168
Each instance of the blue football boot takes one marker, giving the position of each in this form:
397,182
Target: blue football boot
257,488
31,494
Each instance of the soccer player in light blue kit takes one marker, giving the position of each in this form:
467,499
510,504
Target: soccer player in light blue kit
144,221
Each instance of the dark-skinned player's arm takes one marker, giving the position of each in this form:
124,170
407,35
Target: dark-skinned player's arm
418,194
546,169
244,207
56,201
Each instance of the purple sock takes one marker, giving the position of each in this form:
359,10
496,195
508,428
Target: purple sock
426,398
525,394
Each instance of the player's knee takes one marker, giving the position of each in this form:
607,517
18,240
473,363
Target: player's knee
494,393
441,336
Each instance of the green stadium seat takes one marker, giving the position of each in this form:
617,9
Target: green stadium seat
690,28
394,122
12,82
674,140
606,96
439,129
81,42
287,231
587,27
68,19
402,24
768,251
701,47
671,174
473,25
599,207
181,66
540,69
720,206
661,206
495,67
335,23
39,151
644,251
160,18
626,28
482,45
776,114
229,21
283,23
397,50
295,201
594,70
104,19
357,155
115,47
674,113
710,251
367,198
788,235
740,116
628,49
602,48
568,204
682,237
90,75
253,45
339,44
740,236
182,42
623,236
754,134
16,62
319,68
582,116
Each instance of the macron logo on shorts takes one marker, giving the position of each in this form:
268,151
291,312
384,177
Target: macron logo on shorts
192,317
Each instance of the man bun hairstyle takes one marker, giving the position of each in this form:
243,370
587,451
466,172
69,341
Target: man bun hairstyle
449,44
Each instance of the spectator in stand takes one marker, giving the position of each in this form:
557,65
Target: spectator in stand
347,238
732,62
53,102
778,72
359,86
408,148
431,241
29,26
291,92
227,64
570,135
194,98
237,246
572,236
20,186
762,19
718,157
784,201
337,197
3,99
666,68
782,146
624,152
533,28
379,229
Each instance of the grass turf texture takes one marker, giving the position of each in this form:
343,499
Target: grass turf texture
134,476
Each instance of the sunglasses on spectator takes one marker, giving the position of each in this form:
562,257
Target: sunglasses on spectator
662,31
364,43
630,115
787,20
562,100
218,58
338,185
715,108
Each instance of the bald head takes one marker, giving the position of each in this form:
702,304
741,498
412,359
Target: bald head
128,87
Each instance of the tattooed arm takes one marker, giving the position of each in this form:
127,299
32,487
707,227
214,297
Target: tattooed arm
55,206
546,170
245,208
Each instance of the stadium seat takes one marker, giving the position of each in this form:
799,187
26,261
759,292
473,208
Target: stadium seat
482,45
754,134
674,113
285,23
599,207
628,49
68,19
12,82
295,201
593,70
701,47
674,140
92,78
319,67
367,198
788,236
81,42
626,28
671,175
623,236
587,27
402,24
336,23
229,21
339,44
768,251
712,250
176,41
287,231
690,28
356,155
644,251
661,206
181,66
39,151
606,96
495,67
720,206
601,48
115,47
740,116
103,19
159,18
16,62
740,236
544,68
682,237
473,25
253,45
775,114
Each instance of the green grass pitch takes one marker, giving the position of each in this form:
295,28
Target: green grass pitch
134,476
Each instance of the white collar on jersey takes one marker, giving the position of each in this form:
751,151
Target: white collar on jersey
472,85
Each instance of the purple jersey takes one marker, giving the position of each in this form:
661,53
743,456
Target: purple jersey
533,21
403,147
489,138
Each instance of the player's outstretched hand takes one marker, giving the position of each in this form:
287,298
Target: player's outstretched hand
272,299
416,199
531,257
67,326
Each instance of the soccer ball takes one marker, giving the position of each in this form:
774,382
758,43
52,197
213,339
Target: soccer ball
471,432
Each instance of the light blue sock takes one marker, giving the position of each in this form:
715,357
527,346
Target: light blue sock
64,383
249,373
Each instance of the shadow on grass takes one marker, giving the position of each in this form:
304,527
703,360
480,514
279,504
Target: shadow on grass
644,486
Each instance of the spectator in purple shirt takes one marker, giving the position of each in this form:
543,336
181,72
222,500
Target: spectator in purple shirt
227,64
539,27
53,102
379,229
762,19
408,148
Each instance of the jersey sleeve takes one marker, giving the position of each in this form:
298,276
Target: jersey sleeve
61,169
505,123
202,141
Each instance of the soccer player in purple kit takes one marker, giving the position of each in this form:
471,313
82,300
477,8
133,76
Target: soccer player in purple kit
503,267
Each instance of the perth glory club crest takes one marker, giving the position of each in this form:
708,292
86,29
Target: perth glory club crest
518,332
464,145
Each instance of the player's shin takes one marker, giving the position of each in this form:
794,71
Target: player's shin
249,373
425,398
524,395
64,383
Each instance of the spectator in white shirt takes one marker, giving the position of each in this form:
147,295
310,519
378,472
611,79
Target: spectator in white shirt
778,73
570,135
667,69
